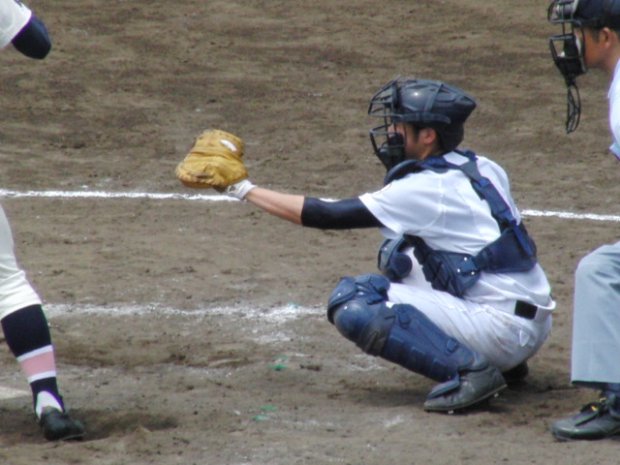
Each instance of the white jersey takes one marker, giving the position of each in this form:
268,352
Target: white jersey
14,15
445,211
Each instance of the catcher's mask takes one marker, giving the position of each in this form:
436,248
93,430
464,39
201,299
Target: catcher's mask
567,48
423,104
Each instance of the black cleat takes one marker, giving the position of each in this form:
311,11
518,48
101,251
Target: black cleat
473,388
57,425
597,420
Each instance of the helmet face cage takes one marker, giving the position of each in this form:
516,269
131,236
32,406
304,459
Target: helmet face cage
389,146
567,52
566,48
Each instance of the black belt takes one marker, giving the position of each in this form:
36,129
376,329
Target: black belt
525,310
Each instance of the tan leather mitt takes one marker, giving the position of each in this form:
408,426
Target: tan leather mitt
213,162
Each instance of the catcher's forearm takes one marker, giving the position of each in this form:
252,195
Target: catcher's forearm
285,206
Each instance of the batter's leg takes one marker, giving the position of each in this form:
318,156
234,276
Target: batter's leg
27,334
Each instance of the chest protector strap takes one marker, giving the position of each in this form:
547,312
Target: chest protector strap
454,272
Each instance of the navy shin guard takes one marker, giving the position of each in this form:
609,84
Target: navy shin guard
401,333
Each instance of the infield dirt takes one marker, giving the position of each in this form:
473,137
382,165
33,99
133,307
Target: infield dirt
193,332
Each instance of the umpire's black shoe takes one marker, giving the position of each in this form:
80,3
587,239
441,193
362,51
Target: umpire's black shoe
472,388
597,420
57,425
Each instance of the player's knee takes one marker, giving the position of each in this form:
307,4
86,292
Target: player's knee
357,308
598,262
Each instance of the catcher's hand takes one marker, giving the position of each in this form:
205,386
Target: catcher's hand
213,162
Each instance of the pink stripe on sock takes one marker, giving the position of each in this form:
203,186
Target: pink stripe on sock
37,363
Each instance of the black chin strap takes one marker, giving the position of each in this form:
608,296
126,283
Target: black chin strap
573,107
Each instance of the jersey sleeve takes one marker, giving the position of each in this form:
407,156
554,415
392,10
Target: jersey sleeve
14,15
408,205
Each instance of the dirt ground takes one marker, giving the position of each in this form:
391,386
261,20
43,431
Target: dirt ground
193,332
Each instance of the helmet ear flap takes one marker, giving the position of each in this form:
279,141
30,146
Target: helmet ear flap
450,136
611,14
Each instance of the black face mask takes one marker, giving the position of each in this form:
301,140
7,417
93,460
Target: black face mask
392,151
568,55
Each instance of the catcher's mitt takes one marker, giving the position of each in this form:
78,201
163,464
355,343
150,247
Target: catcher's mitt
213,162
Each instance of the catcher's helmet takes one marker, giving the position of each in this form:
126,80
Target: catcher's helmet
422,103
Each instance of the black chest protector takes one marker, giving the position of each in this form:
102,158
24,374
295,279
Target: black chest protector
454,272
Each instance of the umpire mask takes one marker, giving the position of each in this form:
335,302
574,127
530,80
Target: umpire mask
568,55
567,49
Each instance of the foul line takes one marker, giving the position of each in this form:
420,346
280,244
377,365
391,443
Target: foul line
271,315
112,195
223,198
572,216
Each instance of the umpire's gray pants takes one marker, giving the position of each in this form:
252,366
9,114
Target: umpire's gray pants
596,321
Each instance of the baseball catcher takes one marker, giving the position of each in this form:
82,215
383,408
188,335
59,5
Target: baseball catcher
460,296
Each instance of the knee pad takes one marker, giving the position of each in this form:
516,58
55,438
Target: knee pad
369,288
357,309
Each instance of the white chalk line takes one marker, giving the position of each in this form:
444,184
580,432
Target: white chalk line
572,216
275,315
10,393
270,317
112,195
86,194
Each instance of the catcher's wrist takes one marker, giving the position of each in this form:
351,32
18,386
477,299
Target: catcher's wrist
239,190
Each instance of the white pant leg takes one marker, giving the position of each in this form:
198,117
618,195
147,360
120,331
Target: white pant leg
13,17
504,339
15,290
596,319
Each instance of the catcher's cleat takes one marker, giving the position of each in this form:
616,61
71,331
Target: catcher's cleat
57,425
596,420
516,375
472,388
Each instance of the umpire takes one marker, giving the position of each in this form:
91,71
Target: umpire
590,39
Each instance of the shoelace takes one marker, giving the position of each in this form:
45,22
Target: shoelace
599,407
